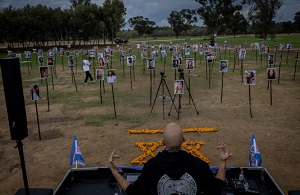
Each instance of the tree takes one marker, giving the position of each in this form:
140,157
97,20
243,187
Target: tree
141,25
181,21
189,18
216,14
297,20
237,23
114,12
262,15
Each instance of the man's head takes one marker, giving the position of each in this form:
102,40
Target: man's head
173,137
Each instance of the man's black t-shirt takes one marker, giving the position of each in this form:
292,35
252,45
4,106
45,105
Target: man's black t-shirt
176,173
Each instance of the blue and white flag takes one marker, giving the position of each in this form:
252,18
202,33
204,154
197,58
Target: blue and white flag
255,159
76,156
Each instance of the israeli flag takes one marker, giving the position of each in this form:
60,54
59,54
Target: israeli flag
255,159
76,156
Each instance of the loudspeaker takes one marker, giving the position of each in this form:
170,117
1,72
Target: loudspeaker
13,89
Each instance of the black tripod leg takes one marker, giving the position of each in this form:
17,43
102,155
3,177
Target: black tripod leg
190,95
173,99
156,94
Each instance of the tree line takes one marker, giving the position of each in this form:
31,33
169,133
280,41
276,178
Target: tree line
82,22
224,17
85,21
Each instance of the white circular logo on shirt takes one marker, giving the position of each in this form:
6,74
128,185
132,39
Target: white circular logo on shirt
185,185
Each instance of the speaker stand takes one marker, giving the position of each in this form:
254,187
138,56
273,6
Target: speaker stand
21,154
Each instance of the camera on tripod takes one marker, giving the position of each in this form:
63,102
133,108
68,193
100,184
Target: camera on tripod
162,74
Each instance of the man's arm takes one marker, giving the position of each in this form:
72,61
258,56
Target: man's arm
223,156
123,182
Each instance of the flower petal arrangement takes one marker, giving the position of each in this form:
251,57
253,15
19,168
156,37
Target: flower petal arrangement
148,148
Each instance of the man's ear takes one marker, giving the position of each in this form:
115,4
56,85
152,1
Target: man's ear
163,142
183,139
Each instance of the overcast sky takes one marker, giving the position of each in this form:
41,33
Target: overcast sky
155,10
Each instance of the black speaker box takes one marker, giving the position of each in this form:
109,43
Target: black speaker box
13,89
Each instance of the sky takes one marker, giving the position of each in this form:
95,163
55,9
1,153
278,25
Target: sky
155,10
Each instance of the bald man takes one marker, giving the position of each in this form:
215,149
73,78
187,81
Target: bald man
174,171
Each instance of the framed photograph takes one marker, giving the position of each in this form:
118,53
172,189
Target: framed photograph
209,58
99,74
281,47
111,52
189,64
163,53
237,49
242,54
86,52
50,53
67,53
250,77
130,51
133,59
178,87
153,54
55,50
44,74
41,60
101,62
107,59
275,48
129,61
33,50
40,52
61,52
160,47
267,49
50,61
270,59
262,50
195,48
150,64
271,73
123,55
188,50
144,55
34,92
175,64
138,46
288,46
71,61
256,45
223,66
27,54
92,53
111,76
76,53
100,55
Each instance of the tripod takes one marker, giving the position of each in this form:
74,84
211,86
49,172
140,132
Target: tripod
181,77
163,83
